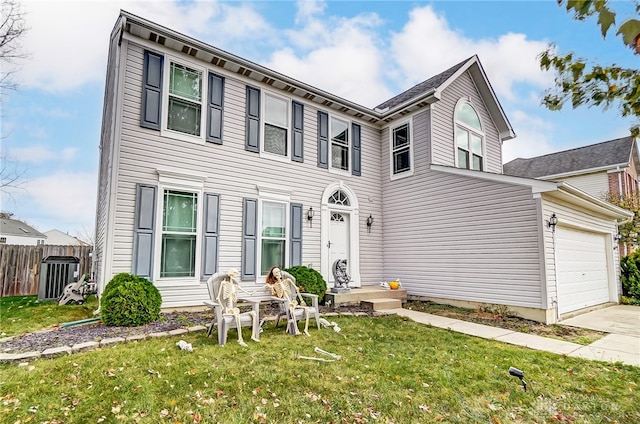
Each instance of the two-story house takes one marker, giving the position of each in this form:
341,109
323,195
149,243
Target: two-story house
602,169
209,162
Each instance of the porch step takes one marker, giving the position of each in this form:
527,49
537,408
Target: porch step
381,304
358,294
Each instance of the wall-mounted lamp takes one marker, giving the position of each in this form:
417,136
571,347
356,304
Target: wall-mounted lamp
552,222
369,223
310,214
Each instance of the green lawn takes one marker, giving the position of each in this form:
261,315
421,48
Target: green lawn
392,370
23,314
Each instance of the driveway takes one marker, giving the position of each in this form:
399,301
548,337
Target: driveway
623,342
619,319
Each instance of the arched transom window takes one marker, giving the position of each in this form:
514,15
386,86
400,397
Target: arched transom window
469,137
339,198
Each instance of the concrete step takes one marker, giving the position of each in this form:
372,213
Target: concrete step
358,294
381,304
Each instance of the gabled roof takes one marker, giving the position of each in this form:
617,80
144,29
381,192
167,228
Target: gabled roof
431,84
431,91
13,227
596,157
57,237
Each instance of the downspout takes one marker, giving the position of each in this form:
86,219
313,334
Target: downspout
619,183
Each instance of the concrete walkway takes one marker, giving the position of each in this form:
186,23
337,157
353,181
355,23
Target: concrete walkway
612,348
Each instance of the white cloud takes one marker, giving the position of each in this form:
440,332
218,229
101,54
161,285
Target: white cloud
339,55
427,45
532,137
308,9
38,154
67,197
67,41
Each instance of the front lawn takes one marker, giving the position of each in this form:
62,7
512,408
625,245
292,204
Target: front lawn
24,314
392,370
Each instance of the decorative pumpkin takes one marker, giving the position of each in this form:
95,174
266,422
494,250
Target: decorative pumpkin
394,285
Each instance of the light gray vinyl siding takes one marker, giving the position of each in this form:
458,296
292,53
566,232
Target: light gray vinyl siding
234,173
443,140
457,237
107,135
573,216
596,184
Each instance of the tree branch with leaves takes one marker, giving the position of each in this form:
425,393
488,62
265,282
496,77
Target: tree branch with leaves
580,83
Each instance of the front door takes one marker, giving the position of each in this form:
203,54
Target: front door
338,241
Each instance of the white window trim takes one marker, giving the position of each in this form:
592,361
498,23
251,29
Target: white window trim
263,122
164,130
332,169
411,170
470,129
272,198
178,185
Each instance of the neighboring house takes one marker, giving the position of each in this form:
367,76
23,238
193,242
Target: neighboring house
58,238
13,231
600,169
210,162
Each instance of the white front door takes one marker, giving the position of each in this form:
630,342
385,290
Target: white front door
338,245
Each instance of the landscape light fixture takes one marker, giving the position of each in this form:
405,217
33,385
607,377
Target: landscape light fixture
520,374
369,223
552,222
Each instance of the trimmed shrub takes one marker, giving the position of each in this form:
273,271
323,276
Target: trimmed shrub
309,280
130,301
630,276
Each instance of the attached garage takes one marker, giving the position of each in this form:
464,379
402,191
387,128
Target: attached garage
583,269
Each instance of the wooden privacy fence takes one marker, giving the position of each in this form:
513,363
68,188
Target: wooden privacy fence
20,265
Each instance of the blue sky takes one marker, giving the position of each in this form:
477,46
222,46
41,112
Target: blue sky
364,51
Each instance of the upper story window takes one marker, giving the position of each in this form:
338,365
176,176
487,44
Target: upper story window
184,112
339,131
401,151
276,125
469,137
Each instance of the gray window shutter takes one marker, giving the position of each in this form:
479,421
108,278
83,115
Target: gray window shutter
323,140
210,240
249,239
355,151
297,154
144,226
214,108
151,91
295,239
252,143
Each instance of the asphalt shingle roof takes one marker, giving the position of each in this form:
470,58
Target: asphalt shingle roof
416,90
18,228
601,155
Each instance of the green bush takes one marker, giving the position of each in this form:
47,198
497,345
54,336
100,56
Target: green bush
130,301
309,280
630,276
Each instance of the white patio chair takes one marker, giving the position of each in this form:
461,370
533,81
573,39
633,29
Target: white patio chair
225,322
311,301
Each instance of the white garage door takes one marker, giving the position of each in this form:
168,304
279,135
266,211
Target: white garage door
582,269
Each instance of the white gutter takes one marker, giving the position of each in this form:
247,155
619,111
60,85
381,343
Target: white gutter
609,168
